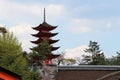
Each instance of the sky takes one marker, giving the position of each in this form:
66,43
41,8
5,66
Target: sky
78,21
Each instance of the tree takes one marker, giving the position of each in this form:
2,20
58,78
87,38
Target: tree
41,50
11,56
69,61
96,55
114,60
10,49
118,58
79,61
3,30
38,54
61,60
37,57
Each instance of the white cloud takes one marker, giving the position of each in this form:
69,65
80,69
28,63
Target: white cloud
2,25
23,32
12,10
22,28
75,52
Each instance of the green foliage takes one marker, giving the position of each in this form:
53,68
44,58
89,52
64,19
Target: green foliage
9,44
96,57
41,50
10,49
3,30
68,61
118,58
114,60
36,57
61,60
32,75
11,56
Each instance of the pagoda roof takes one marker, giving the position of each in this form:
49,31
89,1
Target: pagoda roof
41,34
50,41
48,56
54,48
44,26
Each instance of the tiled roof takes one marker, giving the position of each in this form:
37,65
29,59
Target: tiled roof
89,67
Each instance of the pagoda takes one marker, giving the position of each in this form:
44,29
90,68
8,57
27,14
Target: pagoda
44,33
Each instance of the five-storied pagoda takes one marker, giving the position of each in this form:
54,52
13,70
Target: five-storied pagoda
44,33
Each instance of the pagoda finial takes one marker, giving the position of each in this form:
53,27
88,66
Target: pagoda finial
44,14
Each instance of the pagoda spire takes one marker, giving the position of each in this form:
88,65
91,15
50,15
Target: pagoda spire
44,15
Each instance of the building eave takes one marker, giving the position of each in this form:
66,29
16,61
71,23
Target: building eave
90,67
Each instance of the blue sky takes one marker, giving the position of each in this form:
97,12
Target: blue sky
79,21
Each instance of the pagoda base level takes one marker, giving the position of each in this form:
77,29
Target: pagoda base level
48,59
51,56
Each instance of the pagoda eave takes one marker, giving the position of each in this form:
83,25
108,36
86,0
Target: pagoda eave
46,24
35,42
52,56
50,41
44,34
54,48
48,57
44,28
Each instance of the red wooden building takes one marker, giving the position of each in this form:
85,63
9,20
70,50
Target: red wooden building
8,75
44,33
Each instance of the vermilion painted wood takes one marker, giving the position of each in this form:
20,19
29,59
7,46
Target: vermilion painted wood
7,76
